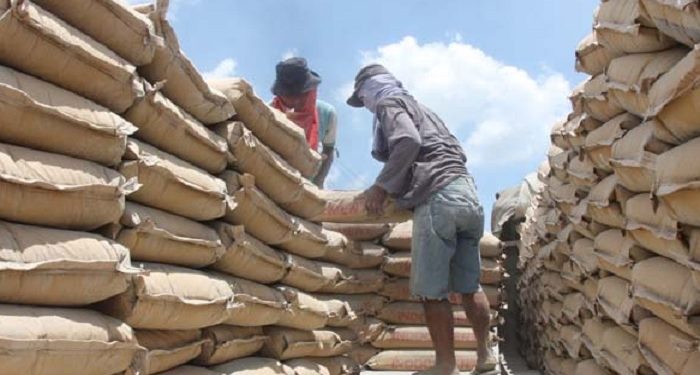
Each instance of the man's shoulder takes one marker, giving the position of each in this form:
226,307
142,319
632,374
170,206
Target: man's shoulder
325,107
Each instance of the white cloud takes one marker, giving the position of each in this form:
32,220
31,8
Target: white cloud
225,68
292,52
500,112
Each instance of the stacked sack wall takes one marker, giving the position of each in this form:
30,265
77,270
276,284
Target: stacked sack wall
610,279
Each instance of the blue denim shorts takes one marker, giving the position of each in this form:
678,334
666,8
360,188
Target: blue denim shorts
445,248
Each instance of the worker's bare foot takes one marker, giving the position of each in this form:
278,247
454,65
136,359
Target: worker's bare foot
439,370
485,363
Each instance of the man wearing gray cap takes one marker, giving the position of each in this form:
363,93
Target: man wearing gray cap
424,170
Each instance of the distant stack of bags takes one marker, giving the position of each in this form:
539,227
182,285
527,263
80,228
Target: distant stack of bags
611,247
151,219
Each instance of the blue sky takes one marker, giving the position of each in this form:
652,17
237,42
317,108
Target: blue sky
497,71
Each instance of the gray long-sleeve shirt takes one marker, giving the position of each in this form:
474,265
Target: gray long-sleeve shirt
420,154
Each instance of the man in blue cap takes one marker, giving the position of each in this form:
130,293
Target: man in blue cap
425,170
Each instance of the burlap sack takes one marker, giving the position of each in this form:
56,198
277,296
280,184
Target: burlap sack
599,142
620,352
413,337
416,360
576,308
271,126
667,283
623,26
42,266
553,363
602,205
252,366
164,125
45,117
275,177
169,349
668,350
411,313
677,182
340,313
253,304
553,311
288,343
305,366
363,353
679,80
581,171
615,297
359,231
52,341
311,240
595,100
169,297
397,264
338,365
583,256
358,304
38,43
645,214
251,208
249,258
685,249
367,329
490,246
226,343
82,195
111,23
590,367
631,77
303,311
349,207
355,282
559,159
592,57
617,253
399,237
679,118
153,235
190,370
356,255
592,335
571,340
634,157
184,85
308,275
173,185
677,19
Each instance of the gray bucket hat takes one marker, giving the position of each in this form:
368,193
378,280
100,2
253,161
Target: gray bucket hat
364,73
294,77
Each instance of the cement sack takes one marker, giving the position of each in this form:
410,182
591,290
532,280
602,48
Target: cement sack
576,308
595,99
411,313
271,126
399,237
397,264
571,340
602,206
356,282
416,360
599,142
685,249
634,157
310,276
53,341
367,329
184,85
311,240
615,297
581,171
668,350
226,343
288,343
190,370
358,304
169,349
303,310
164,125
621,353
356,255
39,115
591,367
631,78
679,118
678,182
254,304
490,246
413,337
82,195
623,26
169,297
678,19
275,177
583,256
340,313
573,132
305,366
363,353
359,231
153,235
252,366
644,214
173,185
111,23
592,335
668,283
558,159
617,253
338,365
251,208
349,207
38,43
42,266
592,57
679,80
248,257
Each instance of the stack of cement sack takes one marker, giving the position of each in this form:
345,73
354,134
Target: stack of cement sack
401,339
610,252
113,151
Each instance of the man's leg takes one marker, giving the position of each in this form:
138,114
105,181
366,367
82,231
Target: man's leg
477,308
438,316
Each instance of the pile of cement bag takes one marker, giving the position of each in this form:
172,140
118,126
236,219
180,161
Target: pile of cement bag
610,248
150,219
